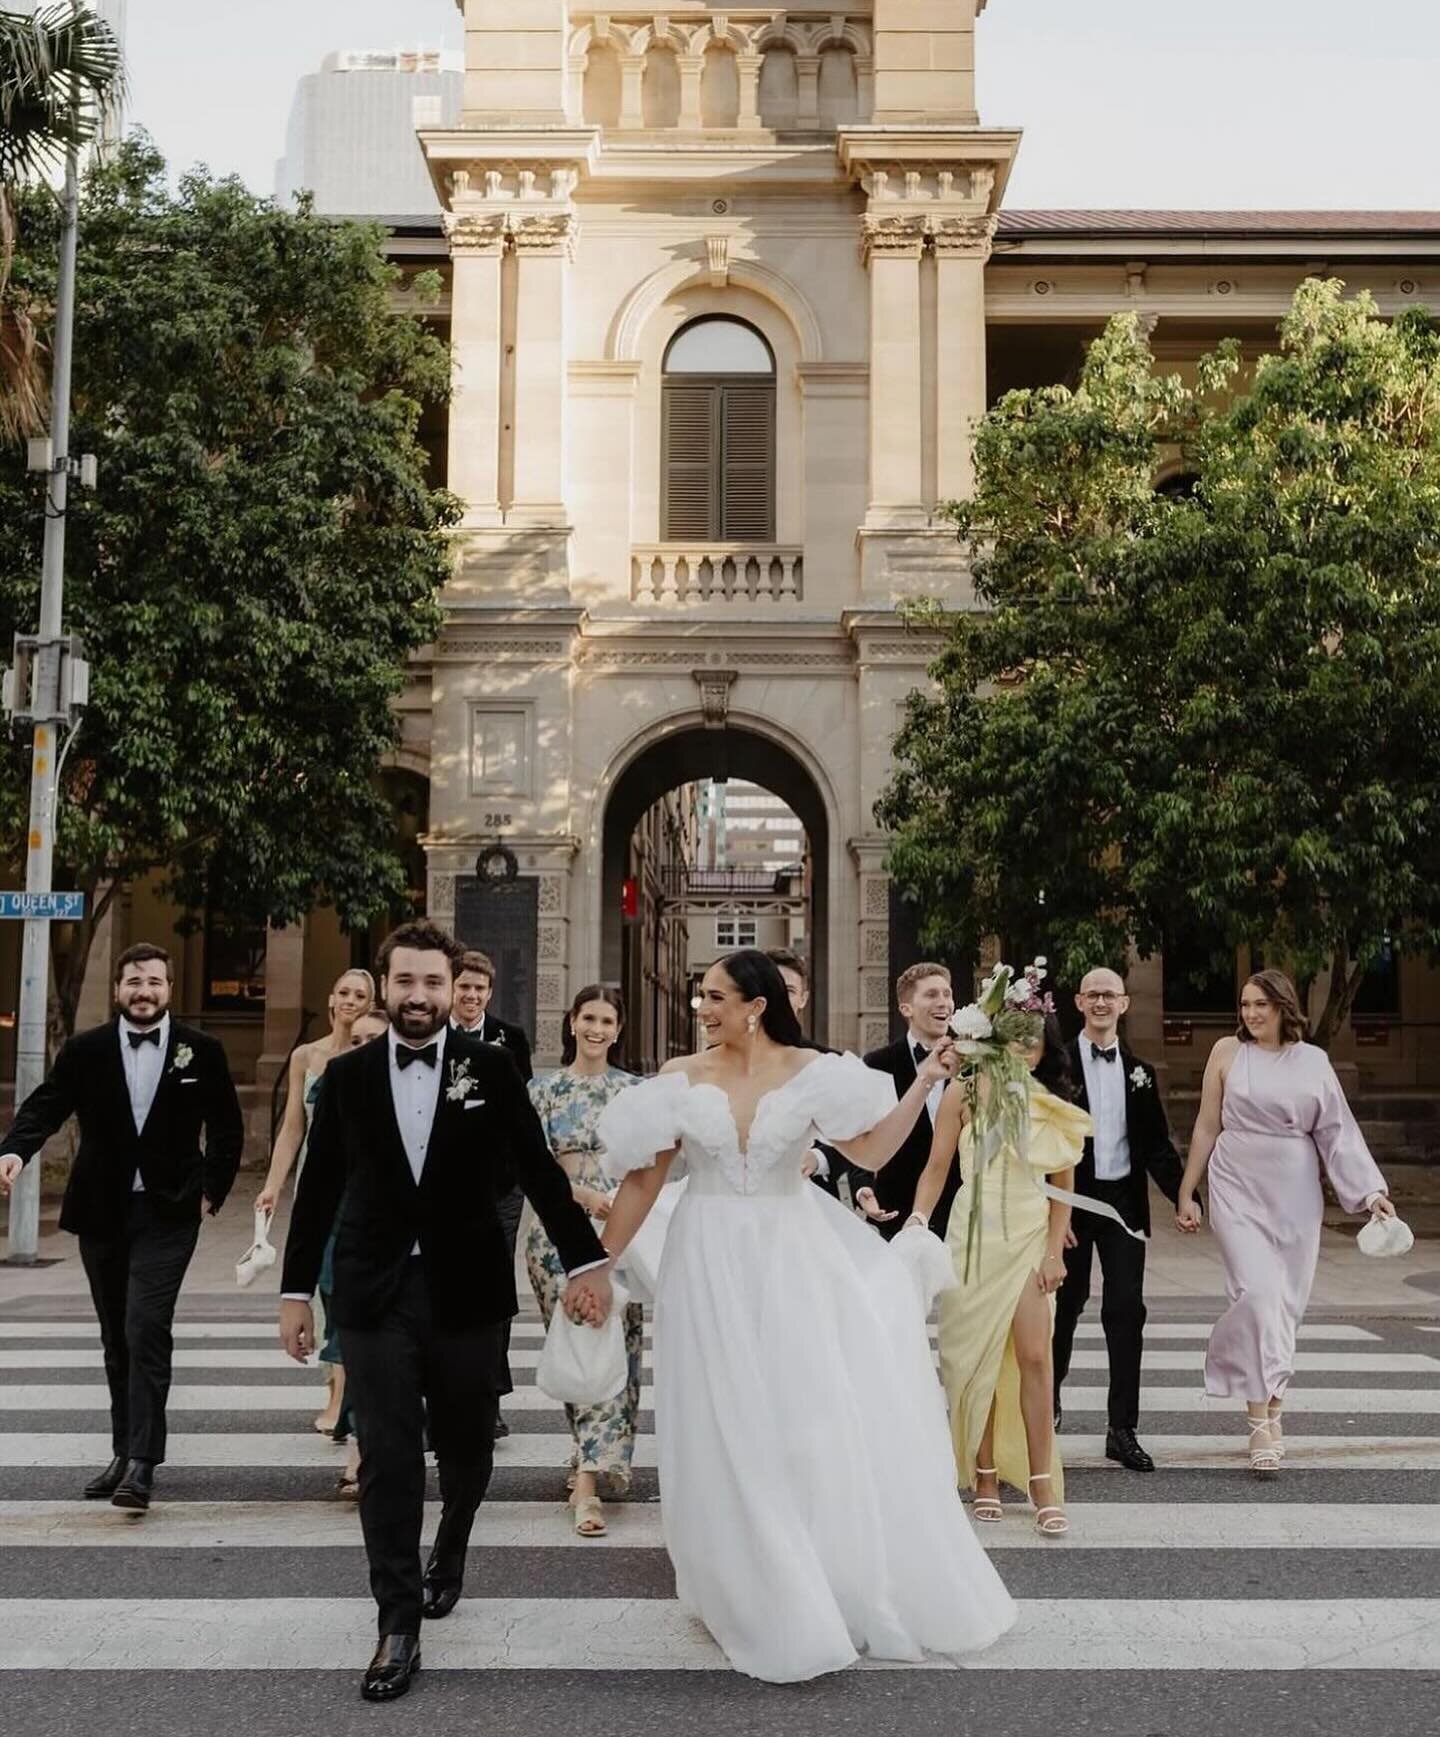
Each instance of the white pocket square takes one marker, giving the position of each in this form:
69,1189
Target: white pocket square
190,1082
474,1103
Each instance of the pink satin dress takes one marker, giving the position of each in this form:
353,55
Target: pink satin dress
1283,1117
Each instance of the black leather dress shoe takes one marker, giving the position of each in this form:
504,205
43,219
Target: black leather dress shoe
1058,1415
1121,1445
135,1487
387,1676
107,1482
443,1584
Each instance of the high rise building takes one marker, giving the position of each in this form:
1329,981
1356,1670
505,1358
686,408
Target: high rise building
351,136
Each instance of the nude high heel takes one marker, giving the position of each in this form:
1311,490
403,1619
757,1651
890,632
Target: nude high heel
986,1508
1265,1459
1277,1440
1050,1521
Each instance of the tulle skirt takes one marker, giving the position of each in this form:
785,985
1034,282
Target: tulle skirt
807,1482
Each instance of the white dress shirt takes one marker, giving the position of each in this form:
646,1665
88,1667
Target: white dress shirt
1105,1088
415,1091
143,1063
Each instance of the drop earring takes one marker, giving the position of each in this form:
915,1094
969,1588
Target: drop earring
750,1024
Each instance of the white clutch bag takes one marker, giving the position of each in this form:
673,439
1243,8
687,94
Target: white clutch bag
583,1365
261,1254
1384,1237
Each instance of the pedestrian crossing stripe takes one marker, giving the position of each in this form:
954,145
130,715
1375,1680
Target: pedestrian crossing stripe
524,1329
632,1634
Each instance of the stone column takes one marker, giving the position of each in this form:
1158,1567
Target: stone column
807,81
748,66
893,249
692,68
477,244
284,998
962,247
544,245
632,92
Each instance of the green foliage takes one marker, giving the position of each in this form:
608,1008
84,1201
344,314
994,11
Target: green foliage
1213,712
262,553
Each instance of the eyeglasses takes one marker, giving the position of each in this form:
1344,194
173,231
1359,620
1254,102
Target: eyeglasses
1100,995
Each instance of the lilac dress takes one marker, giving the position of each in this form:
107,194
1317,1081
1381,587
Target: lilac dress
1283,1116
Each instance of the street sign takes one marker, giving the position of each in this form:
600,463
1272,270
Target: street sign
53,907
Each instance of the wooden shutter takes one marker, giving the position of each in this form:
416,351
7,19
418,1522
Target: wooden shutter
690,443
747,463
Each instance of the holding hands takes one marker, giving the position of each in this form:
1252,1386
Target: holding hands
588,1297
1188,1216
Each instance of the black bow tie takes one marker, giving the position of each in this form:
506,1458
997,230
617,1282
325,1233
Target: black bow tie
1104,1054
921,1054
404,1055
139,1037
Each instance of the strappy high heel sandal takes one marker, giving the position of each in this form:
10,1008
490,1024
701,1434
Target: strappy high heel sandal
1050,1521
1277,1440
1265,1460
589,1516
986,1508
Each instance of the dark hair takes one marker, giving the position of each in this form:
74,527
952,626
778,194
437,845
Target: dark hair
786,959
755,974
425,937
592,992
141,954
1277,988
472,959
1053,1068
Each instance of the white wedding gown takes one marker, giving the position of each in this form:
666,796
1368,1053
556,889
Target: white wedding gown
807,1481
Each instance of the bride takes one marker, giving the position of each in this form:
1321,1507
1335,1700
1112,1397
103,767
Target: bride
806,1480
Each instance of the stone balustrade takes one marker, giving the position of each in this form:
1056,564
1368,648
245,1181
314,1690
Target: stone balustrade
700,572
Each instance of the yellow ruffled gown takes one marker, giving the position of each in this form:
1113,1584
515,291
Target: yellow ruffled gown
977,1358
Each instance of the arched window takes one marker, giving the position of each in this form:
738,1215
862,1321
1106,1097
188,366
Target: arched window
718,435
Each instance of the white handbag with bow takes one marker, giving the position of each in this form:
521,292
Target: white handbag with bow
584,1365
261,1254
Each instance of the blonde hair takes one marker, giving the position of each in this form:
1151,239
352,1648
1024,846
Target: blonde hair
914,974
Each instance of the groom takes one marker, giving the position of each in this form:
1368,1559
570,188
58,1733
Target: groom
416,1140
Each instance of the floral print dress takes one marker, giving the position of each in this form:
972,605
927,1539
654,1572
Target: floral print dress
569,1107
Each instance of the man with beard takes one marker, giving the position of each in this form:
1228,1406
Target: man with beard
144,1088
420,1135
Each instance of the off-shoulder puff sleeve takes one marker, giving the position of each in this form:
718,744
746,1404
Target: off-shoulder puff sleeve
1058,1131
640,1123
847,1098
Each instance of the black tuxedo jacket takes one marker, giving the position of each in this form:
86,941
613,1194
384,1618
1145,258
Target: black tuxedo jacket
507,1037
88,1081
896,1183
1152,1151
481,1145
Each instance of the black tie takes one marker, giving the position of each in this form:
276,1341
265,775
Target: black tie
404,1055
1103,1054
139,1037
921,1054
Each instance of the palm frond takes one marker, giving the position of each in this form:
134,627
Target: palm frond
59,67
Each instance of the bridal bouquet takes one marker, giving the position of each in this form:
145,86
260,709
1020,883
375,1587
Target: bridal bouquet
1009,1010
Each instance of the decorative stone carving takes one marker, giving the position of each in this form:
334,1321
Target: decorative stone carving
877,1033
715,686
549,989
551,945
717,252
876,949
877,896
546,233
898,237
475,232
973,235
874,989
551,897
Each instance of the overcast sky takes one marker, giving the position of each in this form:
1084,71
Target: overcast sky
1188,103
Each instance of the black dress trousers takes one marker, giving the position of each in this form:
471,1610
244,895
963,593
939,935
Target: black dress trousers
1122,1299
135,1277
401,1375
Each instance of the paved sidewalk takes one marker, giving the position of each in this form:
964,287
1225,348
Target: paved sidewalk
1185,1276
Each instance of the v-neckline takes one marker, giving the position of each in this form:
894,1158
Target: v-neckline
743,1147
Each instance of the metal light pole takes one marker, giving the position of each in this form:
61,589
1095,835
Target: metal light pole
50,710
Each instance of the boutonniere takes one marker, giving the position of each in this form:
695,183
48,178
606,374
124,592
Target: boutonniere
1139,1078
462,1082
184,1055
499,1038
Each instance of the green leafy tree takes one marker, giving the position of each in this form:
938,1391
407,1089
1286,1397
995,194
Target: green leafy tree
59,67
263,552
1211,712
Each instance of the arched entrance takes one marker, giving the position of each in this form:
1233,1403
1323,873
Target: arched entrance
688,756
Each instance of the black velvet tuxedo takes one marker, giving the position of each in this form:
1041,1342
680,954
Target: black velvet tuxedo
1122,1257
896,1183
507,1037
423,1334
136,1244
88,1082
481,1147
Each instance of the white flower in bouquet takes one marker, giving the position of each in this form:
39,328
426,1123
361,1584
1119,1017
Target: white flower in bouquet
970,1022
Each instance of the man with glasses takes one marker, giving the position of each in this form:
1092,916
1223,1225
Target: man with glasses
1131,1143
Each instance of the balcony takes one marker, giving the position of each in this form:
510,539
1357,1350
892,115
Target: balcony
698,572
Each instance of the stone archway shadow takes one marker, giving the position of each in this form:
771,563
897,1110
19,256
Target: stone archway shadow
684,755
